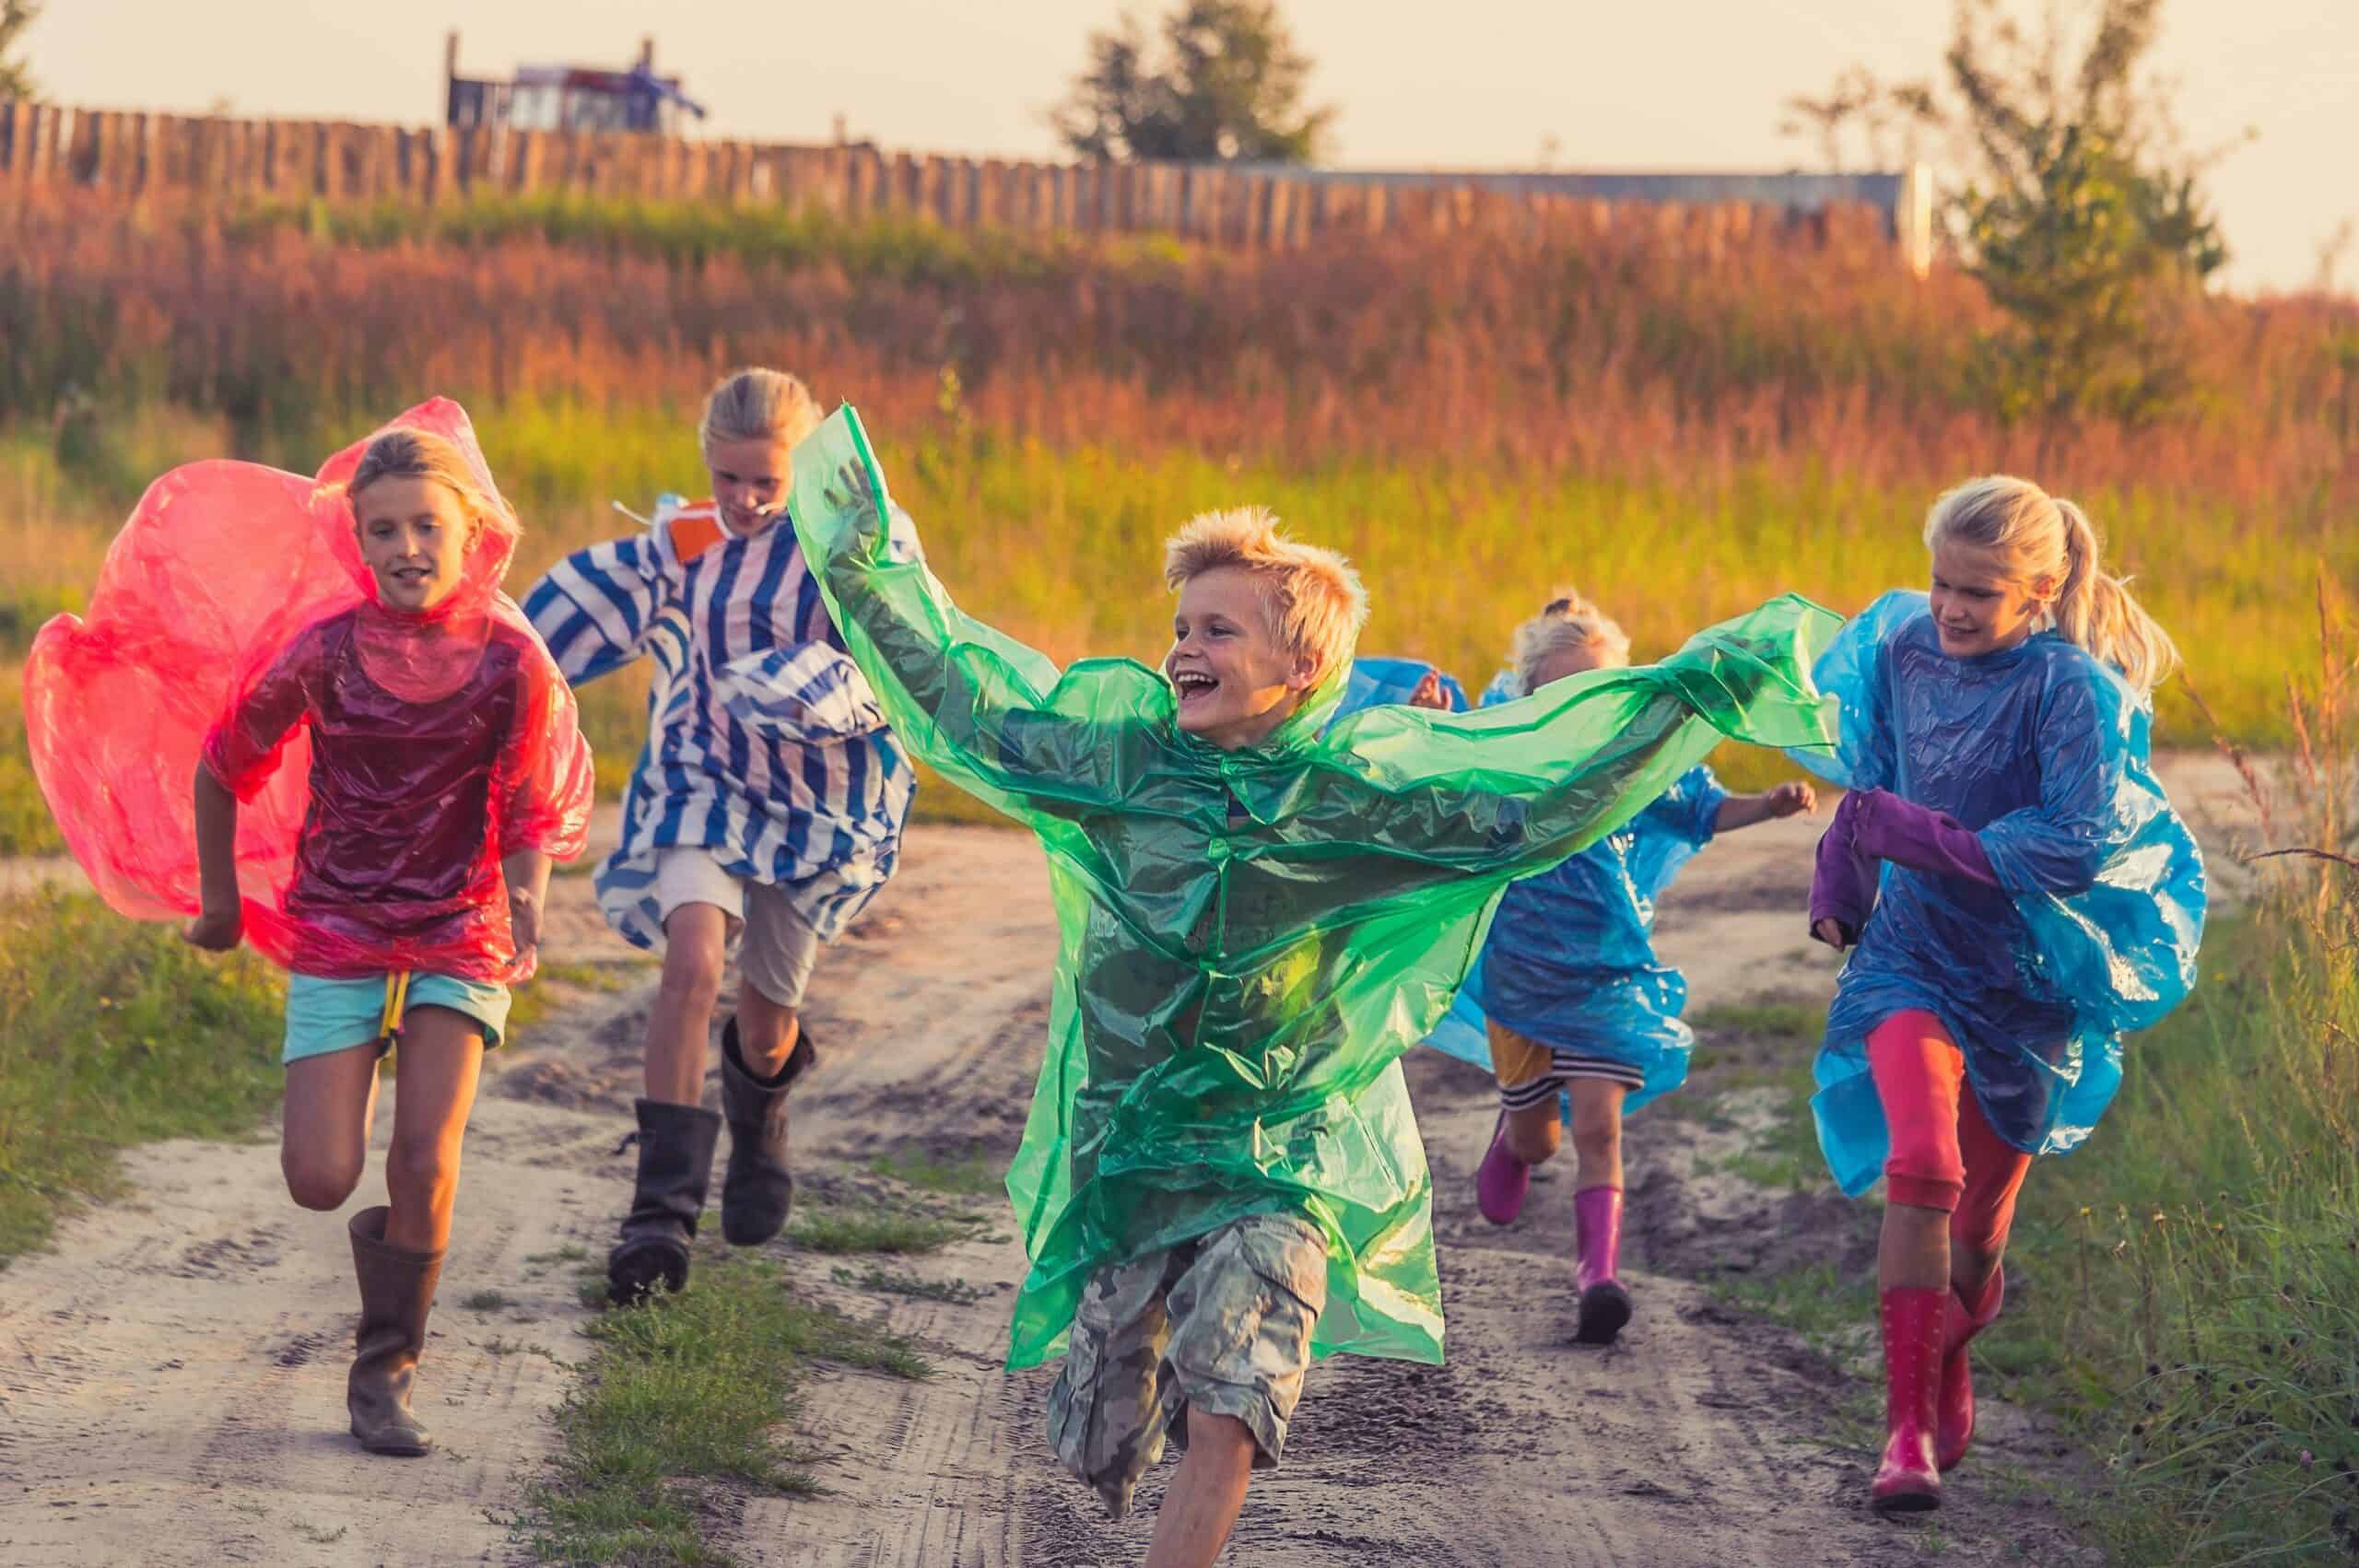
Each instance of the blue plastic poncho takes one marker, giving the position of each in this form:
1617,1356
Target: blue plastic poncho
1376,682
1570,958
2042,750
1250,939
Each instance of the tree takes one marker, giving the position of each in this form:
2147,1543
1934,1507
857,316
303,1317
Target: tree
2078,209
1226,84
16,16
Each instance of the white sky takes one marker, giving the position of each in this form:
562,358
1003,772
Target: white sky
1619,84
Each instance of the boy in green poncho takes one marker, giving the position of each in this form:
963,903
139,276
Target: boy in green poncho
1221,1178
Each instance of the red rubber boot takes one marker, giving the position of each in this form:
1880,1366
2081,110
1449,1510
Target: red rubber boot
1957,1377
1915,1325
1605,1305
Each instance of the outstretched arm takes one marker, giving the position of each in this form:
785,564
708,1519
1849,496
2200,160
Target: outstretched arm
981,708
1746,811
595,608
1513,789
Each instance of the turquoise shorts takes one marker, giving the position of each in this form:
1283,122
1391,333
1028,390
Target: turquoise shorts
325,1015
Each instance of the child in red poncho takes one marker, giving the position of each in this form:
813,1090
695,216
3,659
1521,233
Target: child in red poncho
404,711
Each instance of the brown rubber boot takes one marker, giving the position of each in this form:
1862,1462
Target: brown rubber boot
396,1293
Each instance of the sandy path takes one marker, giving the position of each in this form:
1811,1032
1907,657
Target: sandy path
170,1375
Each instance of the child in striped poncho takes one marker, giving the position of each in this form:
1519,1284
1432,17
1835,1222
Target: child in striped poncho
765,811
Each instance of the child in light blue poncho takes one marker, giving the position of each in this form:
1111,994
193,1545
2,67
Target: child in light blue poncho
2016,892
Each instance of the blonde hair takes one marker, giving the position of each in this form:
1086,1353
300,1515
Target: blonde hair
405,453
2040,536
1316,603
1565,622
757,405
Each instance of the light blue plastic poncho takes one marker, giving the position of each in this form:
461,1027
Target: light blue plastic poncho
1376,682
2042,750
1570,958
1250,939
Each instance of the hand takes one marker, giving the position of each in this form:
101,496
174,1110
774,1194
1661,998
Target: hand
1429,694
1829,932
524,928
216,930
1792,799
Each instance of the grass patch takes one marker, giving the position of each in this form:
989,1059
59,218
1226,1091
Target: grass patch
877,1228
969,1175
26,826
1753,1070
682,1394
487,1301
114,1032
886,1281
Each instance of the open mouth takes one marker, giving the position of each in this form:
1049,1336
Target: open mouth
412,577
1193,685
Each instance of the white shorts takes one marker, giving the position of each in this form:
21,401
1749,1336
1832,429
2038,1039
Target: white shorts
777,947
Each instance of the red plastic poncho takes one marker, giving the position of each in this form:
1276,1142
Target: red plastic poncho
386,761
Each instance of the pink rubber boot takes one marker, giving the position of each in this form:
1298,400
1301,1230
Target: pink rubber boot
1605,1305
1915,1326
1502,1180
1957,1376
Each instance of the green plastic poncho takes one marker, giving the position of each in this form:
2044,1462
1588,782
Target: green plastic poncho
1236,982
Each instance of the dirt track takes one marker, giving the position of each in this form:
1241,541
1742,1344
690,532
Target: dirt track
170,1375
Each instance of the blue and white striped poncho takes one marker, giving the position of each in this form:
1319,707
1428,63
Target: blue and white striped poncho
765,744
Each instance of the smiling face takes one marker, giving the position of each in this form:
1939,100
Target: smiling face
1978,606
1236,682
414,536
749,481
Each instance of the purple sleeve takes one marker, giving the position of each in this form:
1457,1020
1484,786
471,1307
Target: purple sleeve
1843,883
1887,827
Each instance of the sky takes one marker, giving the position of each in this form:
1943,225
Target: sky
1611,84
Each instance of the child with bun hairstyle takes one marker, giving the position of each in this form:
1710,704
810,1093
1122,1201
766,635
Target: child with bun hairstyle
1579,1010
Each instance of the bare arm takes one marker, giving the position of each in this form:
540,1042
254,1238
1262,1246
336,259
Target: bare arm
1744,811
221,920
527,871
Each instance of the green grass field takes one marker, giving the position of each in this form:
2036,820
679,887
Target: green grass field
1454,555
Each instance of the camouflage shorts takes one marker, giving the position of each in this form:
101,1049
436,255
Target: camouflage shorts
1222,1324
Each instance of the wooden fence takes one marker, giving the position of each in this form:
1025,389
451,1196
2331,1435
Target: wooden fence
137,153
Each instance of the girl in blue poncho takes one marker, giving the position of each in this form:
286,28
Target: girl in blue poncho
2016,892
1576,1007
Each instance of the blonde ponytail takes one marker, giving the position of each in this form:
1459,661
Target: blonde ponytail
2095,610
2039,536
1567,622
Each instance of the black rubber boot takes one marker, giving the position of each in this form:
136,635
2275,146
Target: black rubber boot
759,1191
675,1168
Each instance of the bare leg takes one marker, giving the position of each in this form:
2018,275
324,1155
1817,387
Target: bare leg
766,1031
331,1103
1534,1133
1201,1506
695,940
441,1056
1597,1130
1915,1249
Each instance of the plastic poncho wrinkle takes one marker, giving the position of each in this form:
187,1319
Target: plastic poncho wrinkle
1235,985
2044,752
1568,958
385,761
